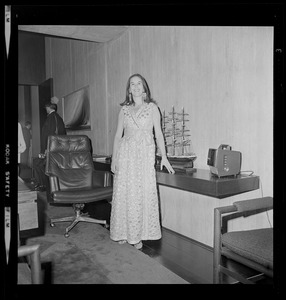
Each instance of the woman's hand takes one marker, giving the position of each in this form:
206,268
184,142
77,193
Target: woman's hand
165,162
113,166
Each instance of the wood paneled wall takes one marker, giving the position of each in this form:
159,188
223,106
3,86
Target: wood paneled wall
222,76
31,60
117,67
74,64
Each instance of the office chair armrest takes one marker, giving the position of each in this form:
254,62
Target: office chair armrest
54,183
218,211
239,208
246,205
254,204
27,250
33,251
101,178
220,226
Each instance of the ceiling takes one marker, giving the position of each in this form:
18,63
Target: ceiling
99,34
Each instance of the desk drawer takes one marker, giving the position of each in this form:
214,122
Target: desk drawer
28,215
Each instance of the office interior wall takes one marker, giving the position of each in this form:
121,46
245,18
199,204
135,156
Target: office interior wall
222,76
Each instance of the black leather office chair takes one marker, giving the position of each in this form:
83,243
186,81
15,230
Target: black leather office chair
72,178
251,248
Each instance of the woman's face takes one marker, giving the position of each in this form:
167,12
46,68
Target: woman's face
136,86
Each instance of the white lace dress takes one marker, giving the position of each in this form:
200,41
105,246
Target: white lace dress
135,207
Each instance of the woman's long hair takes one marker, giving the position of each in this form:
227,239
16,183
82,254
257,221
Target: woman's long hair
129,98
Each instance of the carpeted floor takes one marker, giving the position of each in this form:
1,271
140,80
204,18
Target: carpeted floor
89,256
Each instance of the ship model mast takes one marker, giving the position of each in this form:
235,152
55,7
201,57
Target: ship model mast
177,139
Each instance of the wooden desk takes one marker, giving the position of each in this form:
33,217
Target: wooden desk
187,200
204,183
27,206
102,165
201,182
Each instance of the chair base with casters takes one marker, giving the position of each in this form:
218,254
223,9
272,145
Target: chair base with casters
101,190
72,178
252,249
78,217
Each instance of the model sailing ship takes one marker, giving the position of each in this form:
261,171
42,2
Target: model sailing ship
177,140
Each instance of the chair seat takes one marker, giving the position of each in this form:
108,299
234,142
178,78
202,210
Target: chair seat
256,245
82,195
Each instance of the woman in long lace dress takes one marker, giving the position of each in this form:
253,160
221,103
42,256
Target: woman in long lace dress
135,207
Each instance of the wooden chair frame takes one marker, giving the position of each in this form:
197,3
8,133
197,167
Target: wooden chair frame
246,208
33,253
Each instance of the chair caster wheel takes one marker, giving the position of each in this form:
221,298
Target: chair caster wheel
52,224
106,226
66,235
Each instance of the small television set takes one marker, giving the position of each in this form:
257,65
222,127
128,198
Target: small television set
224,161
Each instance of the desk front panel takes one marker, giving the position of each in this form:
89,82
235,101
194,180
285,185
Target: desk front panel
204,183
